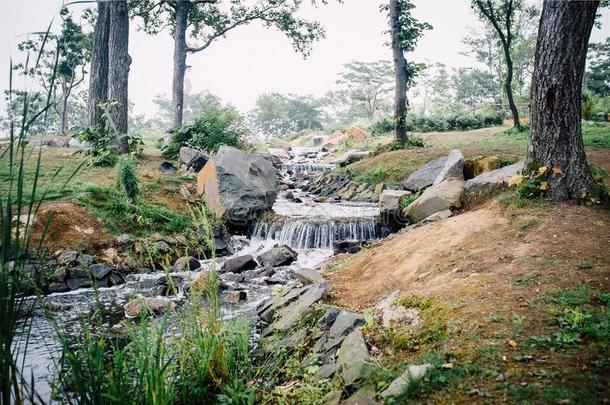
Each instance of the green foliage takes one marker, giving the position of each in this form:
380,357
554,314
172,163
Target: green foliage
454,122
127,178
407,199
381,127
216,125
279,114
597,76
377,175
596,134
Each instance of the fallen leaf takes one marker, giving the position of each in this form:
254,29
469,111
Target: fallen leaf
544,186
448,366
515,180
557,170
512,343
542,171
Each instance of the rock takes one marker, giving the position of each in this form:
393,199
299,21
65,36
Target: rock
124,240
412,373
424,176
277,256
308,276
360,398
239,264
332,398
351,156
346,322
290,314
232,277
193,159
162,247
494,180
355,134
99,271
76,144
167,168
186,263
453,168
235,297
238,185
480,164
75,283
437,216
59,275
56,141
58,288
67,257
85,260
329,317
379,188
147,306
389,208
115,278
351,356
130,263
393,313
346,246
437,198
326,371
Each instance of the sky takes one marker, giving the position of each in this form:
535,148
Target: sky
252,60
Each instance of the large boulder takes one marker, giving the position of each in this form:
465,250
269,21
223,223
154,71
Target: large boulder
439,197
351,156
453,168
193,159
355,133
238,185
277,256
389,207
494,180
479,165
424,177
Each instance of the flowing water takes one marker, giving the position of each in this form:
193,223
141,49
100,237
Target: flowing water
309,227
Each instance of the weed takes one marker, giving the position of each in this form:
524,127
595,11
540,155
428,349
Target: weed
126,177
570,297
527,223
406,200
377,175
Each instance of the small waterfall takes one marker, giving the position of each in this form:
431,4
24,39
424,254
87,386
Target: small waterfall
307,168
303,234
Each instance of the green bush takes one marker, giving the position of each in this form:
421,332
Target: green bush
454,122
215,126
381,127
127,178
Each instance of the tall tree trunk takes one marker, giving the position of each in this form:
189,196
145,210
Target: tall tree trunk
508,85
180,49
118,74
400,69
98,78
556,140
64,114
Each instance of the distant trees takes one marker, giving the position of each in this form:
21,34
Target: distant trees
597,76
61,69
205,21
405,31
555,140
278,114
194,103
501,17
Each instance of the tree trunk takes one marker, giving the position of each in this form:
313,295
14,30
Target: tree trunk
400,69
98,78
180,48
118,74
556,140
508,85
64,114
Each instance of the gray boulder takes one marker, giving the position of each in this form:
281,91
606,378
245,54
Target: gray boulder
351,356
440,197
238,185
76,144
277,256
412,373
288,316
351,156
453,168
425,176
389,207
193,159
308,276
99,271
494,180
186,263
239,264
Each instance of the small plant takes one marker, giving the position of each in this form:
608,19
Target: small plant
406,200
127,178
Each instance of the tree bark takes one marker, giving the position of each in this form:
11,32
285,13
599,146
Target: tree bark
400,69
118,72
556,140
180,49
98,78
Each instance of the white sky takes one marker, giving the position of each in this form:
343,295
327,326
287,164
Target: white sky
252,60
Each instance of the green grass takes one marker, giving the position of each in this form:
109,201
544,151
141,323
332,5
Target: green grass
596,135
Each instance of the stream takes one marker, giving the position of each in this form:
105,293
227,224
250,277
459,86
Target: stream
311,228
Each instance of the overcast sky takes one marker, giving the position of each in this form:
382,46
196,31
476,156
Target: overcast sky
252,60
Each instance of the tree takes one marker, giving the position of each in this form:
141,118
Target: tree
405,31
597,77
472,86
110,70
205,21
501,15
555,140
66,62
193,104
279,114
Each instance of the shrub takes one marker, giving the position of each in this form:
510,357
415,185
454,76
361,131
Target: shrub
453,122
381,127
215,126
126,177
